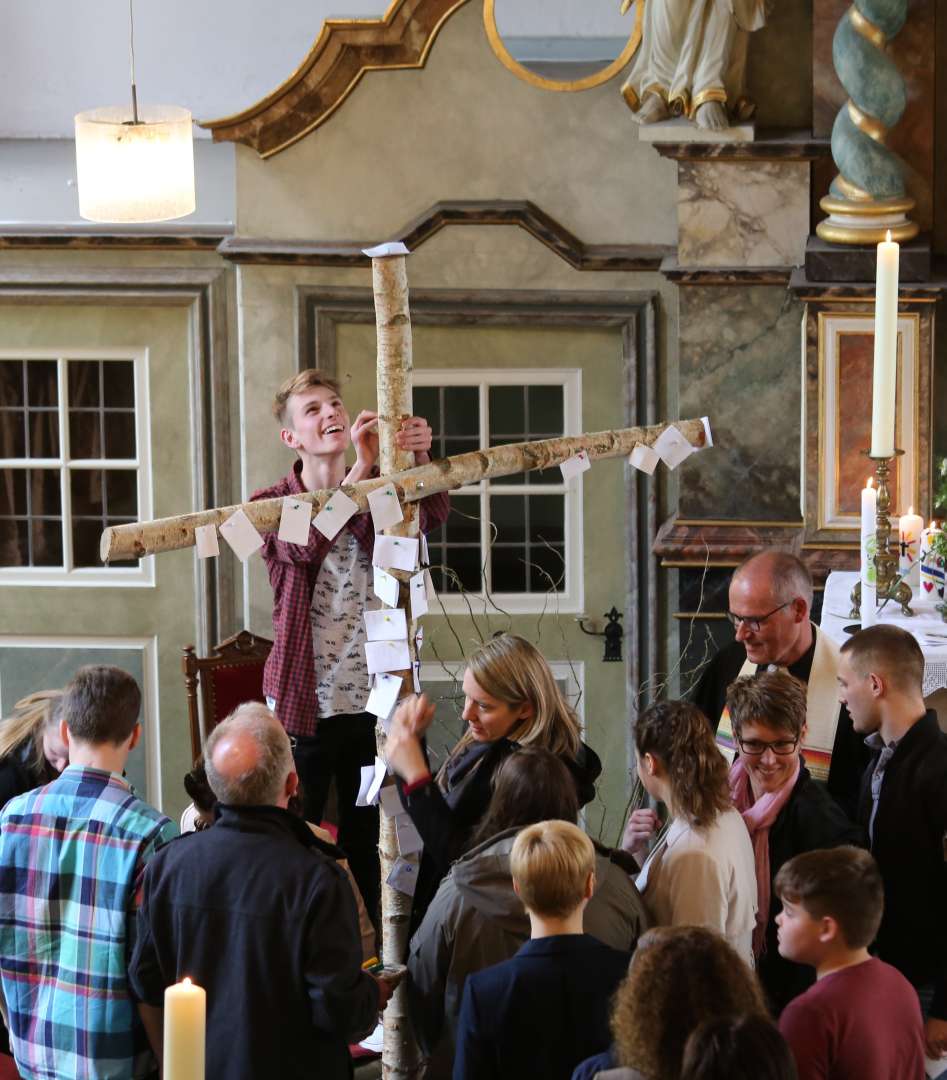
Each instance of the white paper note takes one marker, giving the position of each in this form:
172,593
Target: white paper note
409,839
385,507
644,458
381,771
419,604
390,801
419,640
672,448
294,521
429,585
575,465
389,624
395,552
240,533
416,673
387,656
404,877
206,538
705,420
384,695
385,587
334,515
425,554
394,247
368,778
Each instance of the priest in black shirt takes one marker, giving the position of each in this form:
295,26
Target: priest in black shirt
770,600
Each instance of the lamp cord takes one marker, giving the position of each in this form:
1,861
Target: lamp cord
131,50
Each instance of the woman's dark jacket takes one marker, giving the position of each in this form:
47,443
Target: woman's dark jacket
446,821
810,820
18,772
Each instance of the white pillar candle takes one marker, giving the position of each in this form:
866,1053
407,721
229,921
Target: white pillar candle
932,574
886,350
910,549
185,1014
869,507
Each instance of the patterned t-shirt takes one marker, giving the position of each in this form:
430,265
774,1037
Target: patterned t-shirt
338,629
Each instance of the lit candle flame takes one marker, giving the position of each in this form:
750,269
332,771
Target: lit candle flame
870,482
888,237
910,511
186,981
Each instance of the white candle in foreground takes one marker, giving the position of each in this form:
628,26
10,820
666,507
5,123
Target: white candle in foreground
869,507
885,370
910,551
185,1015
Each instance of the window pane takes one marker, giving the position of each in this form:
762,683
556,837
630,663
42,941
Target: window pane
508,570
11,383
465,562
43,431
45,498
425,404
119,434
85,435
83,383
508,513
12,434
87,493
463,522
461,410
121,487
507,414
85,543
12,492
547,569
545,411
47,543
42,388
14,543
118,378
547,518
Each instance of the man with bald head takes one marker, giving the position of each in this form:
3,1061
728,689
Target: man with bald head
770,600
903,807
257,912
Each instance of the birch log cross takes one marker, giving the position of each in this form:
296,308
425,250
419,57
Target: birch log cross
400,1057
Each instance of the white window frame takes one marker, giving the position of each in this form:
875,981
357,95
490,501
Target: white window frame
572,598
142,575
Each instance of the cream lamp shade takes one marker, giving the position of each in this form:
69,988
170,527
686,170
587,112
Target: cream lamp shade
135,171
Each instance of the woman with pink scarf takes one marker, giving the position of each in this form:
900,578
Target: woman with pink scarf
785,810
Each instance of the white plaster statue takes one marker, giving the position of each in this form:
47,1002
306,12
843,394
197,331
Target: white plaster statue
691,59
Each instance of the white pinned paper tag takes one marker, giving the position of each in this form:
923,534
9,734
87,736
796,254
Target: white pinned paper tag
333,516
705,420
573,466
425,554
386,587
384,695
409,839
672,448
644,458
404,877
385,507
390,801
419,640
418,591
388,624
393,247
240,533
429,585
387,656
205,537
416,674
364,784
294,520
395,552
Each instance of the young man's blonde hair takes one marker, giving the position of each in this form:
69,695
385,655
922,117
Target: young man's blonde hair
551,863
309,379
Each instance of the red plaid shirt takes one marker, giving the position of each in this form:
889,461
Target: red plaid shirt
290,674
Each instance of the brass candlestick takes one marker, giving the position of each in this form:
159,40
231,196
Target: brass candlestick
888,583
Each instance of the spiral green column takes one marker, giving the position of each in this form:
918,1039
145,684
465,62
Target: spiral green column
867,199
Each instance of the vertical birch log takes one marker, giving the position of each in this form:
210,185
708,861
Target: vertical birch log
400,1054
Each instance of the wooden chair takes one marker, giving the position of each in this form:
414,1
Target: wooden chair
231,675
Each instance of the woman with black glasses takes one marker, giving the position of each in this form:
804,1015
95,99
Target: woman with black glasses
785,810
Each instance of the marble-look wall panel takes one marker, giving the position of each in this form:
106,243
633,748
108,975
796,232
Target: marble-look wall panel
740,364
913,50
752,213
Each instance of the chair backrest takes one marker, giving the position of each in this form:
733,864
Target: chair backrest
231,675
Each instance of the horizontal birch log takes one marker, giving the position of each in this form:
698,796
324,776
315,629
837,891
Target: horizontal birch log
444,474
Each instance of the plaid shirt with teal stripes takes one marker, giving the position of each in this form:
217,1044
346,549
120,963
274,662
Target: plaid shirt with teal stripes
72,855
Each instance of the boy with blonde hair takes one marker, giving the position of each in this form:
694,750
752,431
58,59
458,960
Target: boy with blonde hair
316,679
862,1019
546,1009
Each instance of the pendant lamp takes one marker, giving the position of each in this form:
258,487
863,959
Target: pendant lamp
135,165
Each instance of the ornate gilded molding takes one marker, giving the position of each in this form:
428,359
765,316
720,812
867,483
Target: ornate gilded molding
344,50
520,212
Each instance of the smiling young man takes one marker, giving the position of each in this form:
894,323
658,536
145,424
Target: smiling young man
316,678
903,808
770,600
